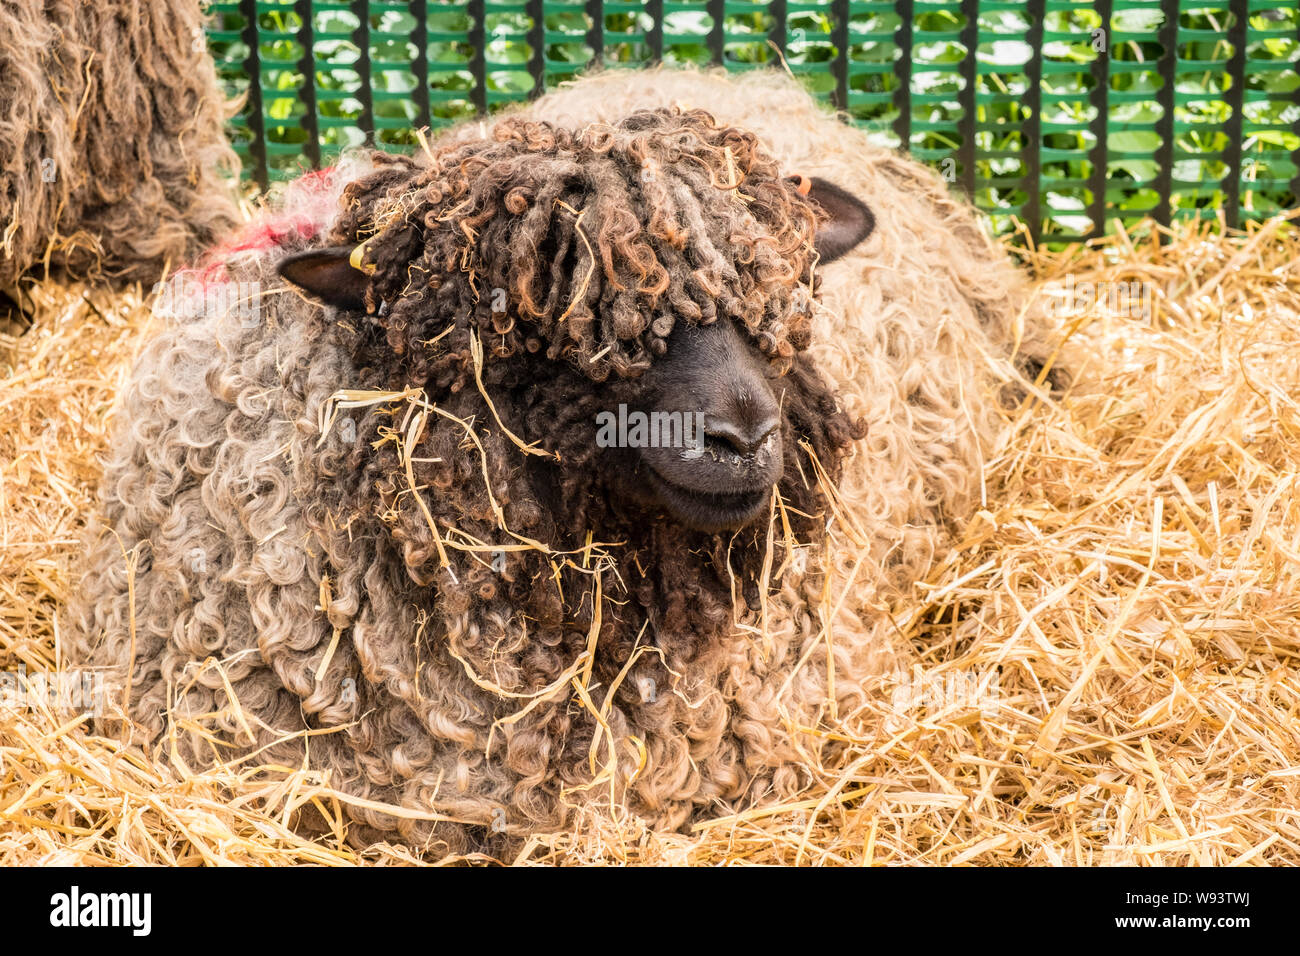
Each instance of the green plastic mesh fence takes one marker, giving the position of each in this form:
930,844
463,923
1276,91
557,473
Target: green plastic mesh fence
1062,115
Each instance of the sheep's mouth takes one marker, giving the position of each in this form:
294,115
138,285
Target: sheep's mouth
709,510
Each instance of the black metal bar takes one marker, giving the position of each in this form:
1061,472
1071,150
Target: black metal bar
478,59
970,34
596,33
903,73
420,65
1236,95
1167,66
256,116
1295,128
1032,130
307,67
537,45
655,37
1099,99
361,38
718,14
779,12
840,65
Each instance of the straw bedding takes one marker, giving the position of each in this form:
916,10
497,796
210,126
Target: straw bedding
1103,671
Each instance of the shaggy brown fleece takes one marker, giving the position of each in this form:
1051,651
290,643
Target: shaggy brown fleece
115,162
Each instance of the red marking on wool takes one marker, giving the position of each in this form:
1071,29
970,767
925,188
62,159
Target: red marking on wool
268,231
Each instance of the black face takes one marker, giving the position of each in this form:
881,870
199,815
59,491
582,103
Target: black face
717,470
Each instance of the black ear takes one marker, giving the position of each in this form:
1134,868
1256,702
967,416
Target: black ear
849,222
327,274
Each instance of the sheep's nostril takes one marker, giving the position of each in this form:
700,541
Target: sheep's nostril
743,439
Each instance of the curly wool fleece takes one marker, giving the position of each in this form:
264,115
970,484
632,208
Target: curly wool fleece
257,568
115,161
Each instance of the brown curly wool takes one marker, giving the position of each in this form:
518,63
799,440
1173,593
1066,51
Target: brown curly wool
603,238
114,158
382,583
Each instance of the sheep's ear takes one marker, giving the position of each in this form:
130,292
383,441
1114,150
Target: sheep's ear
849,222
327,274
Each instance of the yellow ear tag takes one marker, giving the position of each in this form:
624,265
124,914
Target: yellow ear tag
354,260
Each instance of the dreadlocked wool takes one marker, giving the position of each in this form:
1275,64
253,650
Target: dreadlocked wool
114,158
382,543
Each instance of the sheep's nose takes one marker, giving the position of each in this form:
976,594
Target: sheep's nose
744,433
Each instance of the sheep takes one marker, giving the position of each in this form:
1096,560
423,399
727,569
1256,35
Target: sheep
369,527
115,161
